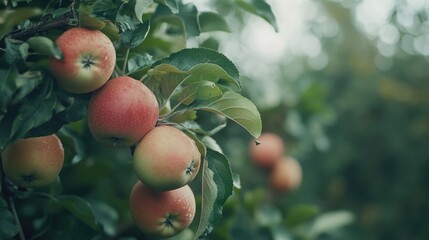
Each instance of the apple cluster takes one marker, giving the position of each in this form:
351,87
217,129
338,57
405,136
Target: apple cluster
285,173
123,113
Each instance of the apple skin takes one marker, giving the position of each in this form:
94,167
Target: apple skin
162,214
268,152
166,159
33,162
122,112
88,61
286,175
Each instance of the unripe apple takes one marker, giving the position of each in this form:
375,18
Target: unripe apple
162,214
33,162
122,112
286,175
269,150
88,60
166,159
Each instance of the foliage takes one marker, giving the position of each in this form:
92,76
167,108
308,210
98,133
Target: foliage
32,104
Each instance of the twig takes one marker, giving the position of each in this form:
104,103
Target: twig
65,20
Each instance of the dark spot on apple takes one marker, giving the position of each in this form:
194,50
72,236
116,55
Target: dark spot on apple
87,62
168,222
191,168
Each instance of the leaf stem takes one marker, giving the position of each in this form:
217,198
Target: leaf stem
124,67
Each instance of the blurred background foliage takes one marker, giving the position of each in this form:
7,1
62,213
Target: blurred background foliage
346,84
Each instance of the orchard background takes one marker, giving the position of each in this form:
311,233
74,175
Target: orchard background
344,83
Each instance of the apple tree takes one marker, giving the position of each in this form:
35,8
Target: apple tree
151,39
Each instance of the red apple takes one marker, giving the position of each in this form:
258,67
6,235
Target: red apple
166,159
286,175
122,112
269,150
88,60
162,214
33,162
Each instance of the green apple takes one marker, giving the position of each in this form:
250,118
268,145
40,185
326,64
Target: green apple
33,162
166,159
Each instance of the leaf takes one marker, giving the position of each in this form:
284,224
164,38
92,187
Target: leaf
9,18
139,62
211,21
217,187
164,79
78,207
45,46
7,87
133,37
195,127
171,4
35,110
186,18
13,52
140,6
237,108
259,8
330,221
88,20
299,214
198,91
187,58
8,226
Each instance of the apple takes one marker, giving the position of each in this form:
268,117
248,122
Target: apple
166,159
122,112
286,175
33,162
269,150
162,214
88,60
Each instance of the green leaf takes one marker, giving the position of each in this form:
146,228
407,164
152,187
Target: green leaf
7,87
165,79
195,127
237,108
330,221
88,20
9,18
171,4
186,18
217,187
259,8
35,110
187,58
78,207
8,226
133,37
13,52
139,62
140,6
301,213
211,21
45,46
198,91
